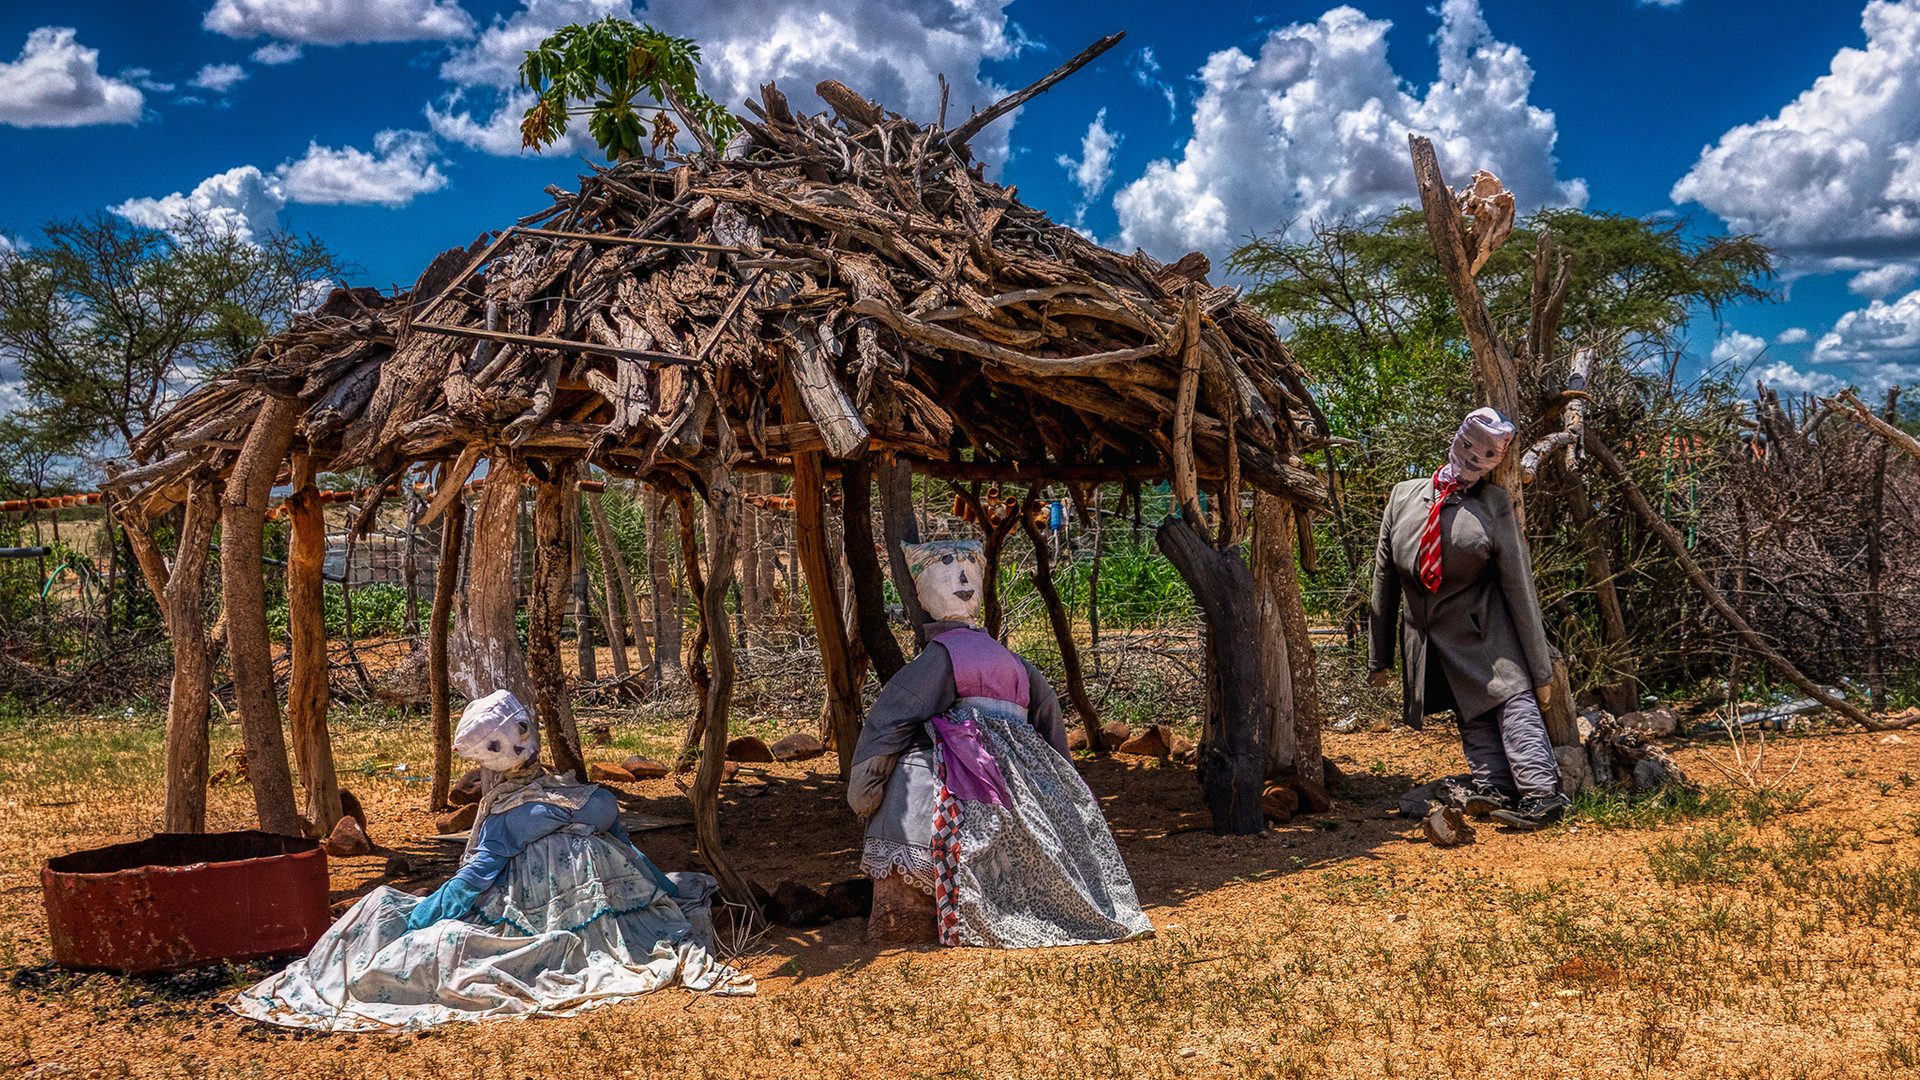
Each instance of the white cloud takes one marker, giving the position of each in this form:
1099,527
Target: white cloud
1882,280
1793,335
1834,178
143,78
1658,3
1880,332
1315,127
56,82
1736,348
401,167
244,201
1095,168
276,52
893,53
1146,72
219,78
1781,375
340,22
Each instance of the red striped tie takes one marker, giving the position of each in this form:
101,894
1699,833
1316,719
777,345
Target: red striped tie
1430,536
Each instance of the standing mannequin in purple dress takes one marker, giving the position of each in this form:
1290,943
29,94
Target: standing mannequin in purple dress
979,829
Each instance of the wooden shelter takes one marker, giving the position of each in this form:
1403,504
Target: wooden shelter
833,294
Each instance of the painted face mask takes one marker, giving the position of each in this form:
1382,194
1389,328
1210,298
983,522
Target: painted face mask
496,732
947,576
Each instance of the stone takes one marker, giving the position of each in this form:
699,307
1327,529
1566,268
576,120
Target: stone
798,746
1151,742
1115,732
729,770
1575,774
1181,746
398,866
601,772
1278,803
748,748
350,807
348,838
466,790
803,906
850,899
902,914
1653,723
1077,739
456,820
1650,773
1313,796
1446,827
763,899
1892,740
644,768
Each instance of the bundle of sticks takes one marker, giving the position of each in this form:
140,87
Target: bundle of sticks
841,282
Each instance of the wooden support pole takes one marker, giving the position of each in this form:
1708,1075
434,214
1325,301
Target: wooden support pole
582,584
308,686
1303,668
486,642
899,526
1186,481
723,507
243,586
617,585
546,607
665,663
867,583
181,601
446,581
1062,626
810,533
1233,764
1677,547
1272,563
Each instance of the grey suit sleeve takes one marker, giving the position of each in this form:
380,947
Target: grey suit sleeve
1383,620
916,693
1043,710
1516,581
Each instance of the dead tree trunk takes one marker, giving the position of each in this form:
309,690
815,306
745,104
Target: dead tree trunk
486,643
665,662
582,590
546,608
810,537
1062,627
899,526
1272,566
181,596
446,581
863,570
243,586
308,687
617,585
1677,547
723,507
1233,764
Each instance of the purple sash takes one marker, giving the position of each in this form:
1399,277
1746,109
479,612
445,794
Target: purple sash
972,774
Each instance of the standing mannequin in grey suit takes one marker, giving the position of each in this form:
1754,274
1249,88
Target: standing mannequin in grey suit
1472,638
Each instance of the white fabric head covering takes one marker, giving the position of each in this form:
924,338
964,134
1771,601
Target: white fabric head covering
1478,446
496,732
948,576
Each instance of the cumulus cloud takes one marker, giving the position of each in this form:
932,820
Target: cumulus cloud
1658,3
143,78
401,167
1879,332
56,82
1882,280
219,78
243,201
1793,335
891,52
1834,179
340,22
247,202
1781,375
1738,349
1095,167
1315,127
277,52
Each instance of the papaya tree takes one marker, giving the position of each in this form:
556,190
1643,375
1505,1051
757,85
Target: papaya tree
615,72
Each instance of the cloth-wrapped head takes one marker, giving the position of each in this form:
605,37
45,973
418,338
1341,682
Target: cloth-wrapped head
947,575
496,732
1479,445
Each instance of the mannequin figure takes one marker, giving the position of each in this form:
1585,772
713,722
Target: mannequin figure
979,829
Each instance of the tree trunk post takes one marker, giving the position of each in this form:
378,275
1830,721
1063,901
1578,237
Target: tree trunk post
810,536
243,586
723,507
487,641
1062,626
615,582
546,608
186,616
308,687
446,581
899,526
1273,566
863,570
666,614
582,583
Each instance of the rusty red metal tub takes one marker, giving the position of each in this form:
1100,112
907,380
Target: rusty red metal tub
179,900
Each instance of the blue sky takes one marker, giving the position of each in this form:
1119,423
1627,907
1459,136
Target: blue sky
385,126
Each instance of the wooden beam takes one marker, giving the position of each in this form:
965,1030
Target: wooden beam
810,535
446,579
638,241
1186,481
486,641
1276,585
308,685
978,121
546,607
1850,404
534,341
243,587
180,601
617,585
818,392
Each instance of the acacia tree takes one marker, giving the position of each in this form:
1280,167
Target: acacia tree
110,322
601,70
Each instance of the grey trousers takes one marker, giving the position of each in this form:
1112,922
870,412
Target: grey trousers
1508,748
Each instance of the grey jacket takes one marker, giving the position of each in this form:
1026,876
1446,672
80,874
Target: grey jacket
1479,640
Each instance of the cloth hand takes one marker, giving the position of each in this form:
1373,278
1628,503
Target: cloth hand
867,787
1380,678
449,901
1543,694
